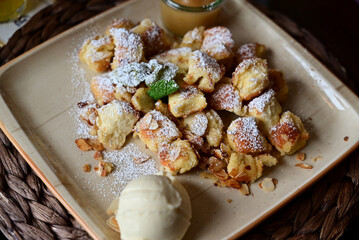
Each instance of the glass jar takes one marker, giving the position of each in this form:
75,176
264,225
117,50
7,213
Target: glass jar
11,9
180,16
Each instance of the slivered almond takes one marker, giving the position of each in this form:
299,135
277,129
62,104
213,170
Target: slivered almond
300,156
303,165
153,125
232,183
240,174
267,185
142,159
146,121
87,144
83,145
225,149
174,153
215,165
112,223
221,174
244,189
218,154
104,168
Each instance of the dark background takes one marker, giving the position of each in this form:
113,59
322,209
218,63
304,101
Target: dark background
336,24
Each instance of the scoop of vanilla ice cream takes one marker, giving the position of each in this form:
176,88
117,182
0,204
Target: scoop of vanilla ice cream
153,207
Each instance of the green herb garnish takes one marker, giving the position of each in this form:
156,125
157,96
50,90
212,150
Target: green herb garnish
162,88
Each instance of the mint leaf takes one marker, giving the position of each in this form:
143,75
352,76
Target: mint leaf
162,88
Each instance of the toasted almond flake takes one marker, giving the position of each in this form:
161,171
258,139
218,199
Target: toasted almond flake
215,164
221,174
141,159
303,165
175,153
104,168
225,149
232,183
87,144
86,168
98,156
83,145
146,121
153,125
268,185
240,174
244,189
112,223
317,158
300,156
217,153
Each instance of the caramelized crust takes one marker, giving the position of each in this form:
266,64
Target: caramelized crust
218,43
205,69
244,168
193,39
289,135
128,47
178,156
97,53
266,109
103,89
120,23
226,97
250,50
251,77
154,129
154,38
244,136
278,84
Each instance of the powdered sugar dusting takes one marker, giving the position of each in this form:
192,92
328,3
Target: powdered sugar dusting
128,46
168,128
246,135
203,61
189,91
259,103
104,188
225,97
200,123
218,41
246,51
126,169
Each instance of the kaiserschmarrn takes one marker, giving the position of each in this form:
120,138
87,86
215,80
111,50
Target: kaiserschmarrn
201,101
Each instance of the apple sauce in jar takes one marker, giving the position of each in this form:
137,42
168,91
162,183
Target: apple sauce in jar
180,16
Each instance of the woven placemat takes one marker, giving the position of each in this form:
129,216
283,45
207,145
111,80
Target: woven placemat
28,210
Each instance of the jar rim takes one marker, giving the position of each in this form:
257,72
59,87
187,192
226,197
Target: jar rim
209,7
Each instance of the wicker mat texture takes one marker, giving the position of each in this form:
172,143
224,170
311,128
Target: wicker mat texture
28,210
